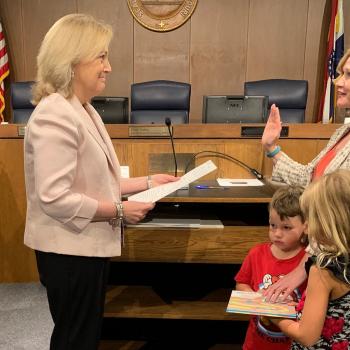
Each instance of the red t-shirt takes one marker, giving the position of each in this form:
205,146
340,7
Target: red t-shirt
259,270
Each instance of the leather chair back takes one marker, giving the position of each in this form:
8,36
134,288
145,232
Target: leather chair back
154,101
290,96
112,110
21,96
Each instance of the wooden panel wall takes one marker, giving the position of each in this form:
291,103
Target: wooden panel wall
161,55
225,43
117,14
218,50
275,45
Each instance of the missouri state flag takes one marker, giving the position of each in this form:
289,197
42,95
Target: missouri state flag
335,51
4,71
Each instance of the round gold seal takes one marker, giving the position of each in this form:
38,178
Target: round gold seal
161,15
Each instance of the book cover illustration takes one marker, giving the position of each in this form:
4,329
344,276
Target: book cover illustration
252,303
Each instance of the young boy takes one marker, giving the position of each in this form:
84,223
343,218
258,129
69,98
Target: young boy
267,262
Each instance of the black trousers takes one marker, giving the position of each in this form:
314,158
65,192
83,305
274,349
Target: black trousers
76,289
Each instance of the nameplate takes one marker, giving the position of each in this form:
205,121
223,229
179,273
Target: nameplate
21,130
257,131
148,131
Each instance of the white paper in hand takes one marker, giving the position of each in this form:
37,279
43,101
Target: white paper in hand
159,192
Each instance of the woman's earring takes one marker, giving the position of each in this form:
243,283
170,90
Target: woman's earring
72,74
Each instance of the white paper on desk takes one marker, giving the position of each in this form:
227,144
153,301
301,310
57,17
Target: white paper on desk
239,182
159,192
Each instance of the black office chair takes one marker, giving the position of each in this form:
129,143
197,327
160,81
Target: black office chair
234,109
154,101
290,96
21,96
112,110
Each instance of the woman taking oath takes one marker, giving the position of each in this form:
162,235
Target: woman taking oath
73,182
336,155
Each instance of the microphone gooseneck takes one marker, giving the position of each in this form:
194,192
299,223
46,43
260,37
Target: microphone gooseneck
253,171
168,124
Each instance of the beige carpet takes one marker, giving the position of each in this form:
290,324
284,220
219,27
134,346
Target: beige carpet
25,320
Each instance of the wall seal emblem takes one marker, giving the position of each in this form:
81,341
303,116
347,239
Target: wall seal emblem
162,15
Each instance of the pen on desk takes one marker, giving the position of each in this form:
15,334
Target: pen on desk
238,182
205,187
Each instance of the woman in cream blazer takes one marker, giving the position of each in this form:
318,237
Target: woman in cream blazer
73,182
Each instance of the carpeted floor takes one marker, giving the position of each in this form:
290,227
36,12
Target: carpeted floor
25,320
26,324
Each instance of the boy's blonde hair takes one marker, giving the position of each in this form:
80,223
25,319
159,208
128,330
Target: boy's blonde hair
286,202
326,206
72,39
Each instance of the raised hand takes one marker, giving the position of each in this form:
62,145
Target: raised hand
272,129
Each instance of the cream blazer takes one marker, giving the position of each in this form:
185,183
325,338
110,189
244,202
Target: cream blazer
70,164
293,173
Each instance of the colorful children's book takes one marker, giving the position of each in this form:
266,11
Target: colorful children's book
252,303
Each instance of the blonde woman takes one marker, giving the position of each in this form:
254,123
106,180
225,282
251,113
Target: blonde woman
73,181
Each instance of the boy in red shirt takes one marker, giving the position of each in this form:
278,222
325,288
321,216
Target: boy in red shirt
267,262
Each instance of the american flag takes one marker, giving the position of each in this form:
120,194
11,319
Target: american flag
335,51
4,71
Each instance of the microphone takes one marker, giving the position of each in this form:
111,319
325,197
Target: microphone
168,124
253,171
